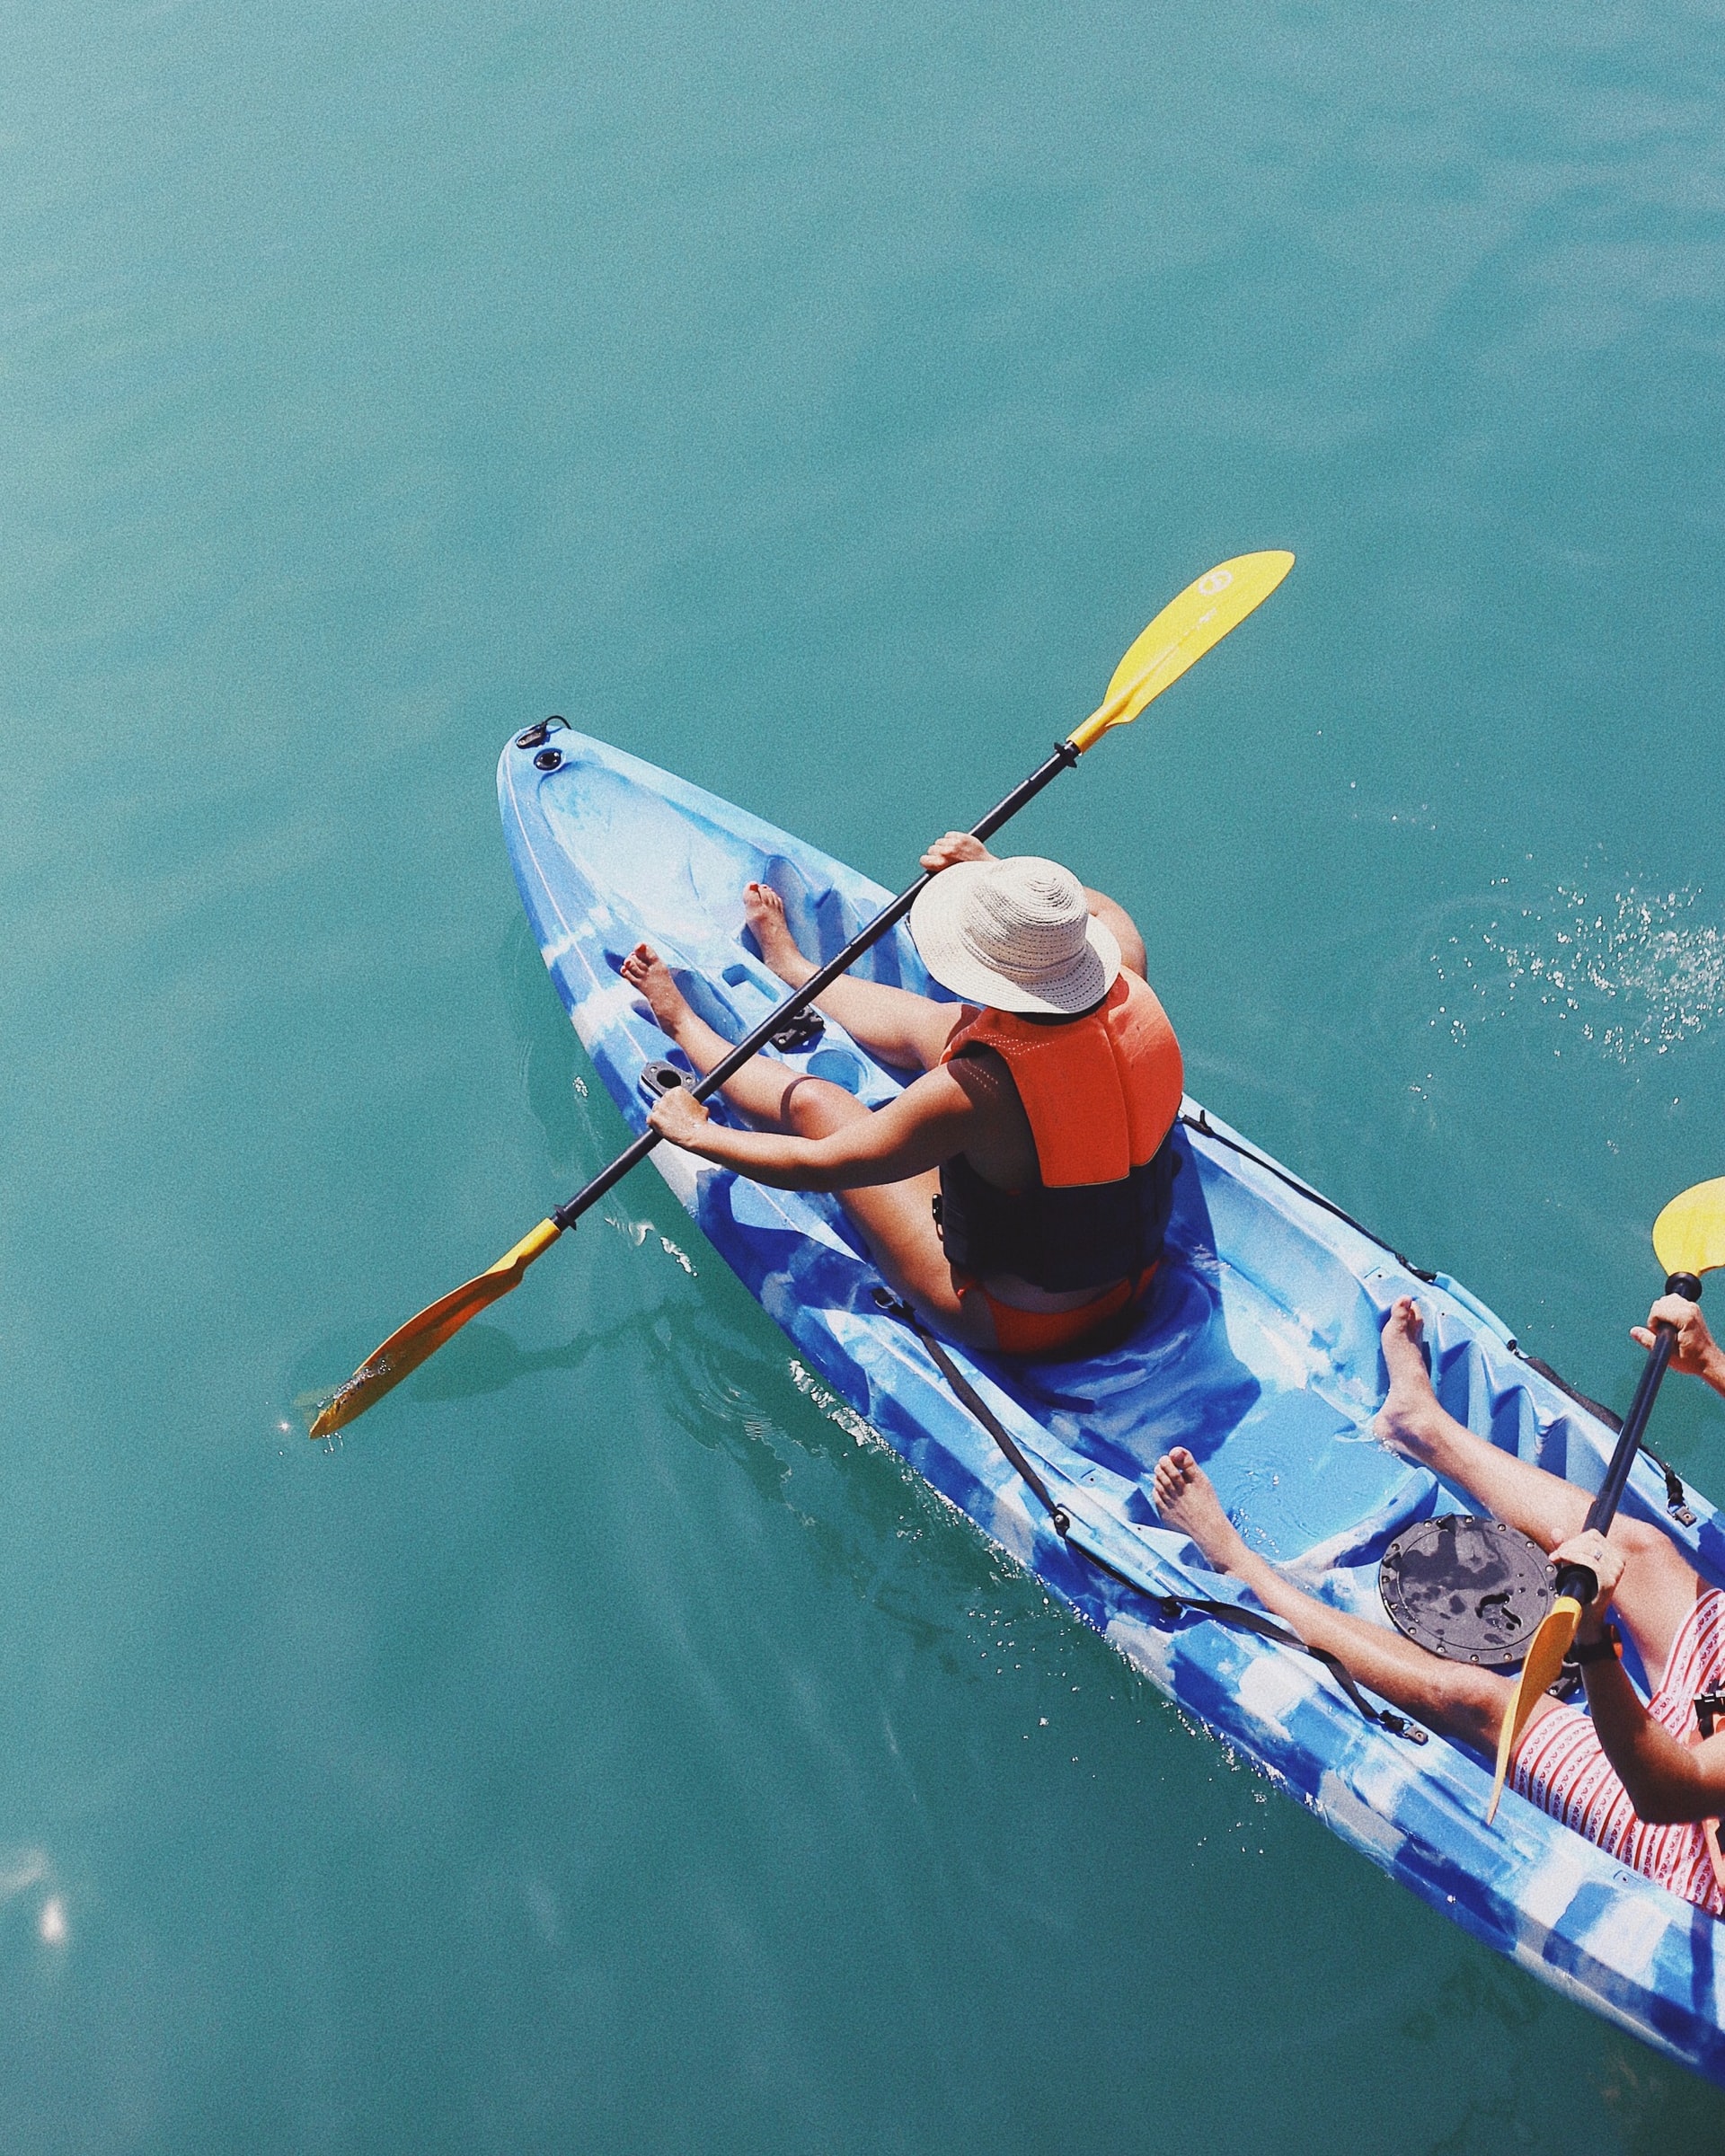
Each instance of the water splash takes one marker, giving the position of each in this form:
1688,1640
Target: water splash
1635,974
638,1231
834,1410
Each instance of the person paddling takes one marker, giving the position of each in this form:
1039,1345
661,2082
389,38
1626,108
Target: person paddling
1644,1781
1018,1190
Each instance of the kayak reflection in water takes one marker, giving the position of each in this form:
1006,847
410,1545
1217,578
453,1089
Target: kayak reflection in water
1642,1781
1018,1189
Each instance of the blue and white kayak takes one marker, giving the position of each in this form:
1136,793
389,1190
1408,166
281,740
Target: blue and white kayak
1258,1348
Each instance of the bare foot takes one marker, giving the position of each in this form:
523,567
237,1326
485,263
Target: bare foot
1410,1413
647,973
1186,1499
763,916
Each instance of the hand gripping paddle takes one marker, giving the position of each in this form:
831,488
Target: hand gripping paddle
1688,1240
1180,634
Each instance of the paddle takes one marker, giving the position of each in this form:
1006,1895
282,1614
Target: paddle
1180,634
1688,1240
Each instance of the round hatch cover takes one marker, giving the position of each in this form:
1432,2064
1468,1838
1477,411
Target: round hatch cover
1470,1589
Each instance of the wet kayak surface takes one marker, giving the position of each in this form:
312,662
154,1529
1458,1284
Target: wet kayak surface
606,1744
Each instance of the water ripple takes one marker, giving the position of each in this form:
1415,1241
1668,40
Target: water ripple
1637,972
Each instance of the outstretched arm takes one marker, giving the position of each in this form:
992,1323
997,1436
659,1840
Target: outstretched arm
1667,1781
1696,1351
930,1121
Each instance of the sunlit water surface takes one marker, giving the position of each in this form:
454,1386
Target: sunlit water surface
607,1746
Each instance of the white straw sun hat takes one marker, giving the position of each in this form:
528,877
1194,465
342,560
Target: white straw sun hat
1016,935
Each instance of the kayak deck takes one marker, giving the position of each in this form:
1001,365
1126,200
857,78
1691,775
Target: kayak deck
1258,1348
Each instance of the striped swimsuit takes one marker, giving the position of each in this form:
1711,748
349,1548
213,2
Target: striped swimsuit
1561,1766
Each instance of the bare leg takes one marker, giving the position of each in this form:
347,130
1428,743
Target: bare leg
758,1089
1658,1587
897,1219
906,1030
1454,1697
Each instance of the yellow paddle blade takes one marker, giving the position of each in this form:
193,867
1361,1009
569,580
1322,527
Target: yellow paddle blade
1181,633
1689,1235
421,1338
1546,1655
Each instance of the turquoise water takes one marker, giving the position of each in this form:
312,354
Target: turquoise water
600,1749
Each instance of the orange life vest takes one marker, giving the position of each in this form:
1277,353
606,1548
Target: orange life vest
1101,1094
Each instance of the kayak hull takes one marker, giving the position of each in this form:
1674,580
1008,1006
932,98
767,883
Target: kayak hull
1258,1348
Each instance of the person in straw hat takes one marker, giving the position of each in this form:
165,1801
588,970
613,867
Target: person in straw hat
1017,1191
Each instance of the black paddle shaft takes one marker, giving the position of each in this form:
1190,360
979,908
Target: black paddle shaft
1577,1580
1063,759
